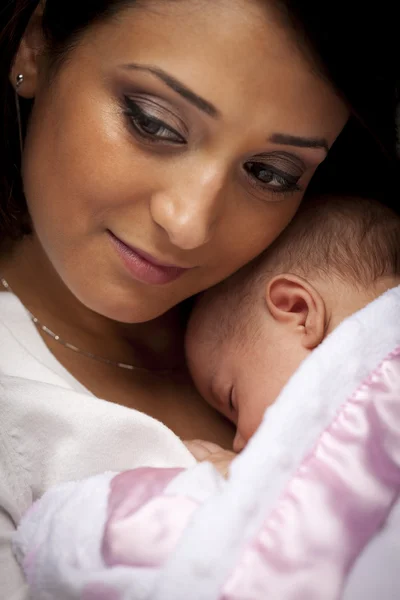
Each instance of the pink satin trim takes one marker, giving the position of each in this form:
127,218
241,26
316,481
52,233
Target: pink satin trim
143,525
335,503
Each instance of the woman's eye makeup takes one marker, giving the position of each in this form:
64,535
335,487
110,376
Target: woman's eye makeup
279,175
145,118
153,123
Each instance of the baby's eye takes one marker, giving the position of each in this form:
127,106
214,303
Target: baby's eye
231,400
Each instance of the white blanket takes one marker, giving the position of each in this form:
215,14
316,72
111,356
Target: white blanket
311,509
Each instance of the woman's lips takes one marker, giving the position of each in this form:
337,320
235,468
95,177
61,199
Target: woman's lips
143,267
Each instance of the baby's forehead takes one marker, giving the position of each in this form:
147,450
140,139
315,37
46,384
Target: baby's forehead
221,313
206,318
202,342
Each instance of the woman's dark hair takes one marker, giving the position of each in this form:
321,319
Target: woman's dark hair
355,47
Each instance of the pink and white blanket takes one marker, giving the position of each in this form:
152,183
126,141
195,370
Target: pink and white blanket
311,510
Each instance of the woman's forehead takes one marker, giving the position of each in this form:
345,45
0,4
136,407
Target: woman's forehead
234,54
237,37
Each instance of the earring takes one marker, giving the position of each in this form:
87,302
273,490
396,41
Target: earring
19,82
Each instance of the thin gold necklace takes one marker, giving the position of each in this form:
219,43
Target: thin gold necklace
77,350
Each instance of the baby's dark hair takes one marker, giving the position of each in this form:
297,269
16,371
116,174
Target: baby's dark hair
354,239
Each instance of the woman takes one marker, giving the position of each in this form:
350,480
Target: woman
158,157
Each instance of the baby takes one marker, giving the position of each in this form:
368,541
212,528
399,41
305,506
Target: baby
248,335
299,507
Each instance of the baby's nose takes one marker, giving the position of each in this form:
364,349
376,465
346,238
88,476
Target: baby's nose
239,442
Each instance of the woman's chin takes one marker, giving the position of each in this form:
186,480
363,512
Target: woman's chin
127,308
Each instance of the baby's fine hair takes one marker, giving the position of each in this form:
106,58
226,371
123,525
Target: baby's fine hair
354,239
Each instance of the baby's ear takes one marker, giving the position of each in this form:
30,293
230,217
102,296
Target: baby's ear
297,305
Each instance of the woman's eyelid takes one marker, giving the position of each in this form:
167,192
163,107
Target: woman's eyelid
156,109
282,161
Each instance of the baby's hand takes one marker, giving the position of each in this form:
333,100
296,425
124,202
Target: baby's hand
207,451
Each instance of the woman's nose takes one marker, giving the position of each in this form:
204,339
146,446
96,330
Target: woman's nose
188,211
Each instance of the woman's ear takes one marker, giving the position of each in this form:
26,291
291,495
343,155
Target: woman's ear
296,304
29,55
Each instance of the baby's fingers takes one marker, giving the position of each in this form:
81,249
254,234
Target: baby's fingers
202,450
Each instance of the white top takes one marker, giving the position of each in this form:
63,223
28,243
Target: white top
52,429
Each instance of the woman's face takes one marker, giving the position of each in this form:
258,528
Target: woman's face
187,131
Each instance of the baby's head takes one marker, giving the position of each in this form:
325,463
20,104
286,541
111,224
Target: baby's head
248,335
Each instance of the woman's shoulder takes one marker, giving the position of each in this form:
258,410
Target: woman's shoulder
23,353
54,431
19,345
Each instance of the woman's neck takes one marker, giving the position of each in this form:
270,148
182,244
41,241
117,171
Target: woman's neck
156,344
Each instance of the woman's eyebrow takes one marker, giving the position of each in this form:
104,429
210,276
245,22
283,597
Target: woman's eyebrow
299,142
178,87
208,108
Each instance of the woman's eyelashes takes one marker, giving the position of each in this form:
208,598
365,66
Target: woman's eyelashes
149,126
148,119
271,179
277,172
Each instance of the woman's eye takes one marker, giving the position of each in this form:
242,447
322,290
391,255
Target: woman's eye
271,178
150,127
